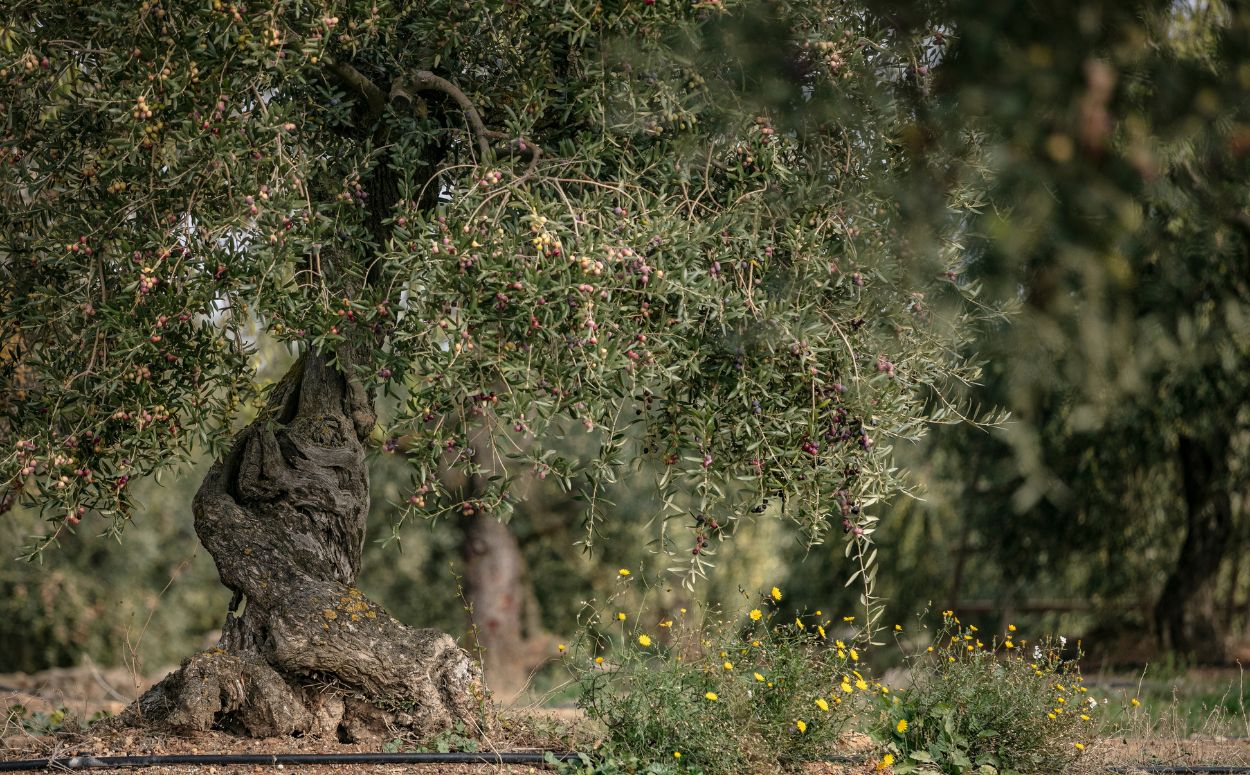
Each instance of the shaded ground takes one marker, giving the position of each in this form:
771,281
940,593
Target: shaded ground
137,743
35,732
1160,750
86,691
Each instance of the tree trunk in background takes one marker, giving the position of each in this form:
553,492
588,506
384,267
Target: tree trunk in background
283,516
506,617
1186,616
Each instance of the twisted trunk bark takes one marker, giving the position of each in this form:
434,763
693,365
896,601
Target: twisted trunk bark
283,516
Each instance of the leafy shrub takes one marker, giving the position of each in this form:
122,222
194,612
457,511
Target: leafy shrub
735,696
1004,708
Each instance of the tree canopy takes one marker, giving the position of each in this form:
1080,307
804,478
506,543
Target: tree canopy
542,218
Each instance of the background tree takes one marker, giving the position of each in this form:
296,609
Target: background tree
1112,139
493,220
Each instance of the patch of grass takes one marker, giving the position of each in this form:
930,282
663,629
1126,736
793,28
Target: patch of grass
40,723
1169,703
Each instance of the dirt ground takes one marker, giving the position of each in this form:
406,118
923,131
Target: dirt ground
87,690
135,743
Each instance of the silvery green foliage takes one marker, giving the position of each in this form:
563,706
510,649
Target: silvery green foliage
665,227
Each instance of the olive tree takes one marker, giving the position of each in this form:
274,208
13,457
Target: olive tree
500,222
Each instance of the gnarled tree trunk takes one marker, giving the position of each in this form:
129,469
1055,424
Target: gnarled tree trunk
283,516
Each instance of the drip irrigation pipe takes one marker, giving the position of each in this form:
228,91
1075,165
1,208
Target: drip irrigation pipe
85,761
1182,769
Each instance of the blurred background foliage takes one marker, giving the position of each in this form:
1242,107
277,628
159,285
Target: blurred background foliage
1108,142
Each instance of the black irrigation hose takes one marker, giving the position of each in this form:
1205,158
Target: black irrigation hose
1183,769
84,762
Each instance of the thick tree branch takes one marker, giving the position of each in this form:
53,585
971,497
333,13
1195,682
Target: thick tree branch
424,80
354,80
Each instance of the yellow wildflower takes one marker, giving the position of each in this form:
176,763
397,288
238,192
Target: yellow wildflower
676,754
728,665
862,685
886,761
1134,702
901,726
854,655
620,616
799,623
623,572
821,630
644,640
823,704
598,660
1008,644
561,648
666,623
758,677
802,725
711,696
846,687
776,593
756,614
1079,746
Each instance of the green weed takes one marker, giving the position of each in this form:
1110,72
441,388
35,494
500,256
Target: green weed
1006,707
